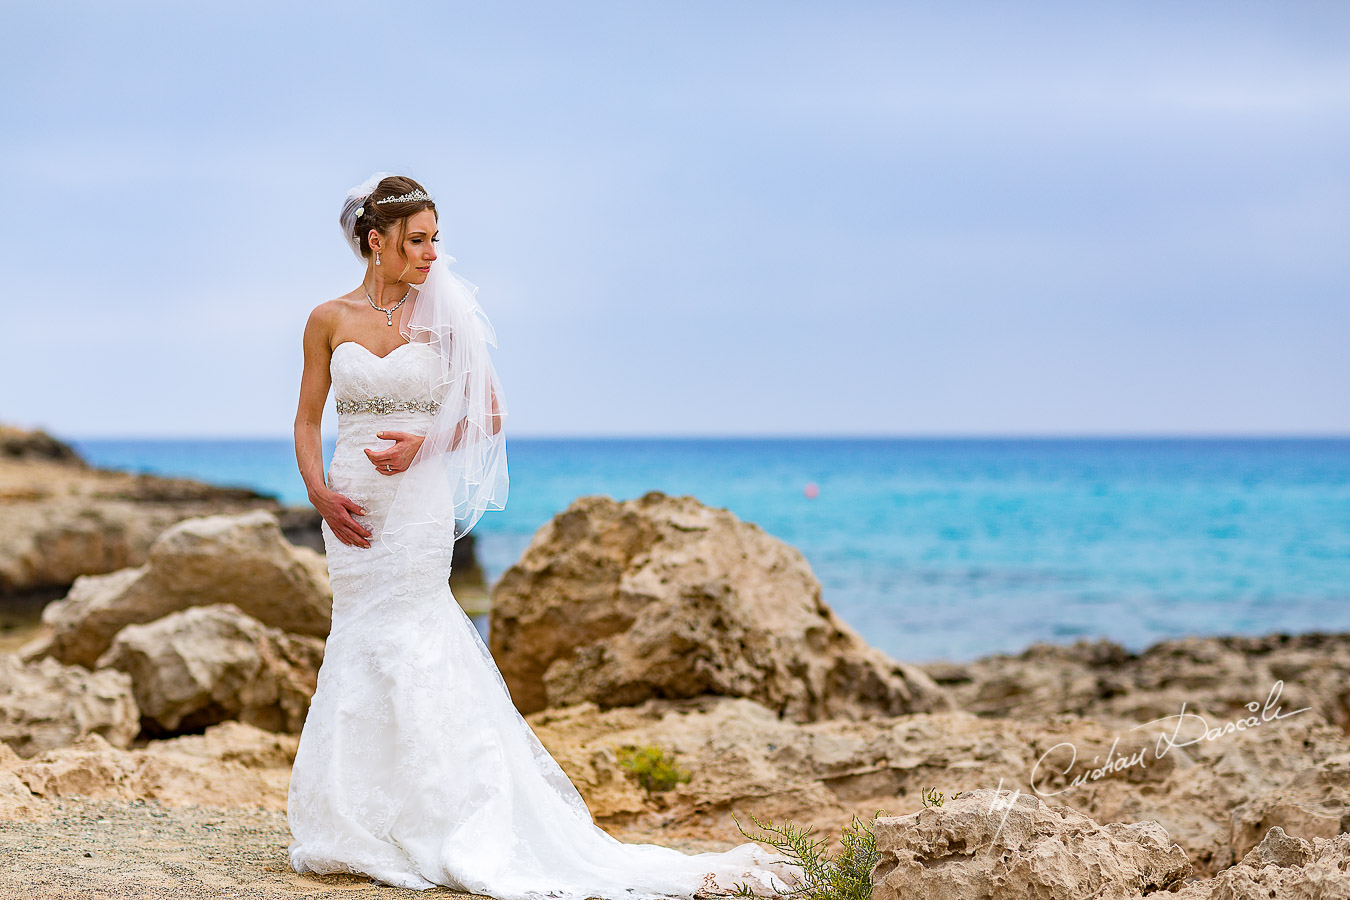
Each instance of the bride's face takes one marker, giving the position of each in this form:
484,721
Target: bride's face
419,247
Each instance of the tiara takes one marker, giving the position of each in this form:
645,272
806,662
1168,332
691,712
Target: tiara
410,197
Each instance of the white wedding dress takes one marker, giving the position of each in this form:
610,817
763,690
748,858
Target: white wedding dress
414,767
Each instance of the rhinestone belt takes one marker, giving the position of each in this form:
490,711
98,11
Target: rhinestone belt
383,405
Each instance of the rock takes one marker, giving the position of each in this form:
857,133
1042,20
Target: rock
91,767
663,597
231,764
63,518
1282,867
1211,799
206,664
1314,803
1214,676
302,526
241,559
744,758
16,443
1000,844
208,770
45,704
17,802
1279,849
237,742
55,541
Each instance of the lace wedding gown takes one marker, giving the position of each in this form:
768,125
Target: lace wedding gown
414,767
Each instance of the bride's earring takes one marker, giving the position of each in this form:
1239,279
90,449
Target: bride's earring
377,257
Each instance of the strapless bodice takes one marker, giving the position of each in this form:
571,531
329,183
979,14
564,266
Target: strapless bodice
402,376
380,393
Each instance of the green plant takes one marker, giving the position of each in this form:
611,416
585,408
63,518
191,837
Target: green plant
656,770
844,876
933,797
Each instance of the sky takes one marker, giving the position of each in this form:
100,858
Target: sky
695,219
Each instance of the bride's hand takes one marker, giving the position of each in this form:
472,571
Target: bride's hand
398,457
337,511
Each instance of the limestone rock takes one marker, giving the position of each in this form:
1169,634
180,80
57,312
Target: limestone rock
17,802
240,559
744,758
1282,867
1279,849
741,756
205,664
62,518
91,767
220,768
1001,844
663,597
55,541
234,741
1220,791
1314,803
45,704
17,443
1214,676
231,764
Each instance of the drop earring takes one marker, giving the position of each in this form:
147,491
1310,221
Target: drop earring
377,257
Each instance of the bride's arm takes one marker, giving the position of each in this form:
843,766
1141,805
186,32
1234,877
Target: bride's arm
464,423
496,410
315,382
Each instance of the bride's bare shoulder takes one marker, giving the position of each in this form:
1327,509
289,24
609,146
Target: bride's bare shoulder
330,312
325,318
332,309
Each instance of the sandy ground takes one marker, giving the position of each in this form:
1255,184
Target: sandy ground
116,849
141,849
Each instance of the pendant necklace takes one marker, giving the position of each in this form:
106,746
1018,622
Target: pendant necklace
389,313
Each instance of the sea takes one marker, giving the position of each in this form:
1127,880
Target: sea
949,549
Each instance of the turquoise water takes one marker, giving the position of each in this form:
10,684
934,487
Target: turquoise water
953,548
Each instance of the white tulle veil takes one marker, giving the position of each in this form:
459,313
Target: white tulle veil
460,470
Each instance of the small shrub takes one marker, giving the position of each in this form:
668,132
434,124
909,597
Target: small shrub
844,876
933,797
656,770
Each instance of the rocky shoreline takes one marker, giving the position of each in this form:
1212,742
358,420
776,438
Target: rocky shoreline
65,518
147,728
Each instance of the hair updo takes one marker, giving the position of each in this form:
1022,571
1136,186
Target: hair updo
383,216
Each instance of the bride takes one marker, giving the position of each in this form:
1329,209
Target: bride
414,767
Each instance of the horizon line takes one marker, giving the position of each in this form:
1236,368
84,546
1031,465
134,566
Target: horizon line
878,436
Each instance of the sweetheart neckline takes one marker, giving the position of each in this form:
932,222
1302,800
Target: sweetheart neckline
372,352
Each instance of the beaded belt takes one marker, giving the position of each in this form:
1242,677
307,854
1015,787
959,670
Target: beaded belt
383,405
